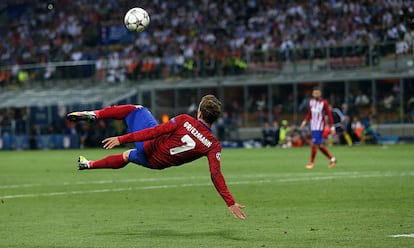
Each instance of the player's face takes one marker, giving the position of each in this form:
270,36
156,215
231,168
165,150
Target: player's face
316,94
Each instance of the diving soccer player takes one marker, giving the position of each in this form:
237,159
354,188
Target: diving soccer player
178,141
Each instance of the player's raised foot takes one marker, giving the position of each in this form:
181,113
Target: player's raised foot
309,166
81,116
83,163
332,163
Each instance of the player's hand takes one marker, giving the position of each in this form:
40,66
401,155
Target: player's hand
333,131
236,211
110,142
302,126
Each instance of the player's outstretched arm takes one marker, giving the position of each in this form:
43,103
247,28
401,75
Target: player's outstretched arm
110,142
236,211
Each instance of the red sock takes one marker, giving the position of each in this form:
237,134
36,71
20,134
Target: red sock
112,161
314,149
325,151
115,112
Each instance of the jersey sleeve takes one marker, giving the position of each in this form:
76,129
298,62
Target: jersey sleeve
218,178
149,133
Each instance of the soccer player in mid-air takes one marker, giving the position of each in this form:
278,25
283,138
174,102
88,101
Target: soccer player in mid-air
180,140
318,109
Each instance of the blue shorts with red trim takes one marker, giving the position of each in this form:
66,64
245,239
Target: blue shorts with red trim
317,137
139,119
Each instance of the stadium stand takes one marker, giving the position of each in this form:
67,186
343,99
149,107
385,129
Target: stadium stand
65,96
89,30
79,54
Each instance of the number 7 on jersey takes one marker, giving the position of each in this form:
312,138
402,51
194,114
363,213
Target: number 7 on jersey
189,144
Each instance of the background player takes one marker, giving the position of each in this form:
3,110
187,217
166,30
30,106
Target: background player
181,140
318,110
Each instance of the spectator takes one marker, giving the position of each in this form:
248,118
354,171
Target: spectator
116,73
193,107
269,135
410,107
357,128
346,131
371,133
34,134
275,126
284,133
295,139
361,99
388,102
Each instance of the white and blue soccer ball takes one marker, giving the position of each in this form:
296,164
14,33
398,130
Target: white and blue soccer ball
137,19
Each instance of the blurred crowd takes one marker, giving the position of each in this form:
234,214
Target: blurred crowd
188,36
20,122
349,131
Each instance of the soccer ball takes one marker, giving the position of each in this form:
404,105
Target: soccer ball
136,19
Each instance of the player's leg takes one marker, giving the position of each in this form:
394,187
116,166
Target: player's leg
325,151
316,141
314,149
139,119
348,138
115,161
332,159
118,112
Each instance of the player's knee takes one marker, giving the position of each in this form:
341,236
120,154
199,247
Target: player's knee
126,155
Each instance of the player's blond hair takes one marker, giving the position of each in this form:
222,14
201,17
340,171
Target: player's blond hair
210,108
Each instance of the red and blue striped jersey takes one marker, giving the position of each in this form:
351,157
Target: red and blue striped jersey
318,109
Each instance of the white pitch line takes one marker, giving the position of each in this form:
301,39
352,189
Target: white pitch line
287,176
15,186
402,235
152,187
124,189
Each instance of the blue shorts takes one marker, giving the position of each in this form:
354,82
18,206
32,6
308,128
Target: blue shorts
139,119
317,137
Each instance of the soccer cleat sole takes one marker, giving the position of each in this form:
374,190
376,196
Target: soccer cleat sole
80,116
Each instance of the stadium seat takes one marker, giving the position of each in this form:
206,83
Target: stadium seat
336,63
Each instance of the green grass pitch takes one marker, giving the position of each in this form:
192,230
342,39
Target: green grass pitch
368,197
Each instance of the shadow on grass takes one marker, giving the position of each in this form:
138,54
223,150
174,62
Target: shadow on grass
223,234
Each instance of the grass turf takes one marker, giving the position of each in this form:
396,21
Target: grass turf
46,202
